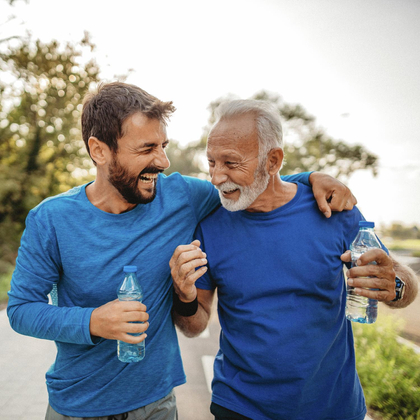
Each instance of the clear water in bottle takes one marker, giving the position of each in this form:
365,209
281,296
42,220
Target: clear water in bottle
359,308
130,290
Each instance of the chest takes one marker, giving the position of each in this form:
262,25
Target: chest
92,256
276,258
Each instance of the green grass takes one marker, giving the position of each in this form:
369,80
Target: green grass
389,371
409,244
5,285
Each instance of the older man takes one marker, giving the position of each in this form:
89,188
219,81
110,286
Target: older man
79,242
286,348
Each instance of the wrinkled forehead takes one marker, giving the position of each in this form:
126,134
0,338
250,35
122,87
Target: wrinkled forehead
234,132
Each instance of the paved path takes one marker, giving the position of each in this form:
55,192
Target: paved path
24,361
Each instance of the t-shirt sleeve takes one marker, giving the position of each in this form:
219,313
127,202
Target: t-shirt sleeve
303,178
37,270
205,281
203,196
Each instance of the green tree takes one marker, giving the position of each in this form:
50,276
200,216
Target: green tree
41,147
307,147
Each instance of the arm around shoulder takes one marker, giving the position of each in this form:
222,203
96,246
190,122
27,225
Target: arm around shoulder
192,326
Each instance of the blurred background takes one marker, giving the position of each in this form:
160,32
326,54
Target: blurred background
344,76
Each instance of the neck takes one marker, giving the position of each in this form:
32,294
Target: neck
106,198
277,194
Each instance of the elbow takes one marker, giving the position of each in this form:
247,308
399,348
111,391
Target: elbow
191,332
188,326
13,318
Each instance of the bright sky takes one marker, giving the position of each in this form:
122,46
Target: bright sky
353,64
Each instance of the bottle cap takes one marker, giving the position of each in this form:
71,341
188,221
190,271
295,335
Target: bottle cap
130,269
366,224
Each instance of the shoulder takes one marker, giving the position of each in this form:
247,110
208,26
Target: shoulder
199,194
60,202
185,182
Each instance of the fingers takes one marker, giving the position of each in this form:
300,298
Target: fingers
323,206
187,265
132,339
380,276
346,257
134,316
115,318
353,200
378,255
341,199
135,327
181,249
321,196
381,293
188,262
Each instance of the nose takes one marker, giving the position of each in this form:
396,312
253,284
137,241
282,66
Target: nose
218,175
161,160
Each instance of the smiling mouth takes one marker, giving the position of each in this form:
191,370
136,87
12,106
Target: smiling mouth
229,192
148,178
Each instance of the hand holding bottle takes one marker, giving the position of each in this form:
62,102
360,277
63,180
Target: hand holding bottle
116,320
379,276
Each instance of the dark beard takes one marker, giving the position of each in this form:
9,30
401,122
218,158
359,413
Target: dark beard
126,185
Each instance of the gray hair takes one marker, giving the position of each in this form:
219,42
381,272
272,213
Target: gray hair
269,130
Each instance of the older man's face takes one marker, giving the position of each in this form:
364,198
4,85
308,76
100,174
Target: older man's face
232,153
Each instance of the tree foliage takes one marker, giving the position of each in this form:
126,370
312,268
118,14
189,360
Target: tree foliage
41,150
307,147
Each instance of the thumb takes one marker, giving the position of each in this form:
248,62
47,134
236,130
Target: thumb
196,242
346,257
323,206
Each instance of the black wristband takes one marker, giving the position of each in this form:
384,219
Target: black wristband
184,308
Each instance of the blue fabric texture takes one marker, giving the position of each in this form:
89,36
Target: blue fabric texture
286,349
71,243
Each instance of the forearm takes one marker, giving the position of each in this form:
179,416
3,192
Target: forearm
303,178
194,325
41,320
409,277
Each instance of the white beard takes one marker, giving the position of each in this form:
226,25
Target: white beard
247,195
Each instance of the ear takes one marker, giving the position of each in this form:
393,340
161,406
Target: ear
275,161
99,151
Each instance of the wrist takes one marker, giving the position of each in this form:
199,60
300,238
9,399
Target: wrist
311,177
399,289
184,308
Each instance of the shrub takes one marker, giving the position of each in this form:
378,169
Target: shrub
389,371
5,283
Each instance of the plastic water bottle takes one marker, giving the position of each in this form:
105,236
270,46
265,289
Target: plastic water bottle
360,308
130,290
54,295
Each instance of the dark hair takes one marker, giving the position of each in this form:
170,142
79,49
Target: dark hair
105,111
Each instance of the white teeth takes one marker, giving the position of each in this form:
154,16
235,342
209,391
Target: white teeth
148,178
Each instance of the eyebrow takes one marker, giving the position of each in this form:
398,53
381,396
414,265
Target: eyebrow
154,144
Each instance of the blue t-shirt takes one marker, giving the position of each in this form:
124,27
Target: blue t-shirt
70,243
286,349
